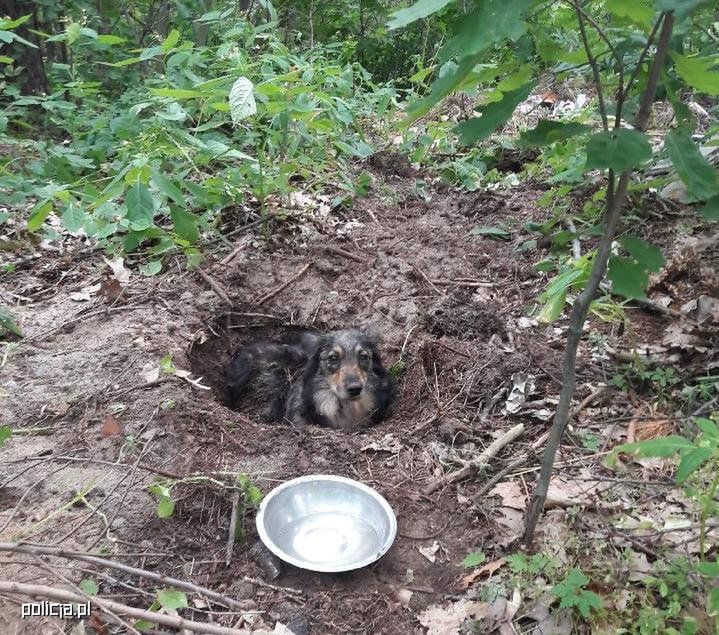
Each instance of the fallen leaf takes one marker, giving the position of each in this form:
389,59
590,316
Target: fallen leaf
563,492
119,272
439,620
428,552
523,385
511,494
388,443
111,427
488,569
111,289
403,596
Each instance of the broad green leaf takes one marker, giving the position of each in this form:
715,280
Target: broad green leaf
253,495
708,427
492,232
185,224
110,39
645,254
638,11
709,568
242,100
493,116
165,507
89,586
38,216
74,218
553,308
418,10
5,434
176,93
127,62
152,268
170,41
547,132
172,599
168,188
713,601
693,169
628,277
491,23
618,150
4,59
681,8
140,208
6,24
563,282
710,211
698,73
473,559
442,87
691,461
662,447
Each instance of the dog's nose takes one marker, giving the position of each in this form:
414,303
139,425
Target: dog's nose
354,389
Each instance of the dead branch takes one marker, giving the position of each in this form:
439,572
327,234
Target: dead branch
103,562
477,464
233,527
284,285
344,253
215,286
109,606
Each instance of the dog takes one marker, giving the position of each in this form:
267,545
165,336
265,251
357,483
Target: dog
335,379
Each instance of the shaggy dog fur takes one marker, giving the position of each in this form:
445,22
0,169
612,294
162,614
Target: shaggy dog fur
335,379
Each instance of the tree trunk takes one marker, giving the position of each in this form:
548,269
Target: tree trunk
33,80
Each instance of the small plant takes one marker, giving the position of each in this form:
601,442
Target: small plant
573,594
474,559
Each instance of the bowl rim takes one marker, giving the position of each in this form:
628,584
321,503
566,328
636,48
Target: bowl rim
325,568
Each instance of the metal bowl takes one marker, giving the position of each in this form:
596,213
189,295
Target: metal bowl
326,523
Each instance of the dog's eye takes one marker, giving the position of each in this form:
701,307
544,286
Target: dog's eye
364,356
332,357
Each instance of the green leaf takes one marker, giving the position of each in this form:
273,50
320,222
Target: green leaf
442,87
628,277
127,62
698,73
11,24
708,427
710,211
638,11
253,495
709,569
418,10
553,308
242,100
5,434
170,41
89,586
493,116
618,150
38,216
473,559
110,39
691,461
4,59
547,132
681,8
492,232
165,507
713,601
166,365
645,254
185,224
152,268
8,323
172,599
662,447
491,23
140,208
74,218
176,93
168,188
693,169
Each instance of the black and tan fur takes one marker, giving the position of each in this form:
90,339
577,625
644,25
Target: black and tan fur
335,379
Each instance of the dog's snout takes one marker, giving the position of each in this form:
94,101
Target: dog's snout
353,386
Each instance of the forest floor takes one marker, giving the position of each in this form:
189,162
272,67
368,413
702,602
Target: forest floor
95,423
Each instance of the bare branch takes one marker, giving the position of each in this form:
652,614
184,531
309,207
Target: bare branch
595,68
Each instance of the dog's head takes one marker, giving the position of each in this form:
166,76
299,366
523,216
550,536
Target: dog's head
347,359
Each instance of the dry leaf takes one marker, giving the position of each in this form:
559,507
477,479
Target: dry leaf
111,289
440,620
119,272
488,569
428,552
511,494
111,427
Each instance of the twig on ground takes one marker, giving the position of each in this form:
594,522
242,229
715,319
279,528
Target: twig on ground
343,252
593,396
284,285
424,277
110,606
103,562
219,291
474,466
267,585
464,283
233,527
